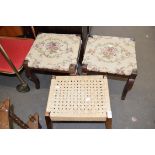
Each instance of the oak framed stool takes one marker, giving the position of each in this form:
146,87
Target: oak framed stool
114,56
53,53
79,98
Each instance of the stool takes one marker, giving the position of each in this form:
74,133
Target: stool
114,56
54,53
79,98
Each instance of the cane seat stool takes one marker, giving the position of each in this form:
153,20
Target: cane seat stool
79,98
113,56
53,53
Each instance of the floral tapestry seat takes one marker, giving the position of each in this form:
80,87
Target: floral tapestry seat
110,54
55,52
114,55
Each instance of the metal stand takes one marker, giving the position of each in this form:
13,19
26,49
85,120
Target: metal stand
23,87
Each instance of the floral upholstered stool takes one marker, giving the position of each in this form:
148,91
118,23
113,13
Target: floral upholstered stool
79,98
54,53
112,55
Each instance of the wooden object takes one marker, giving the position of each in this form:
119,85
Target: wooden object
114,56
129,84
33,121
6,116
82,31
79,98
11,31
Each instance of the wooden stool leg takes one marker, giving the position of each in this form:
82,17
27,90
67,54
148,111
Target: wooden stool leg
72,69
33,122
31,76
129,84
108,123
48,121
84,69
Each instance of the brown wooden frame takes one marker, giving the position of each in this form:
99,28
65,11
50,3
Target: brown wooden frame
49,122
129,83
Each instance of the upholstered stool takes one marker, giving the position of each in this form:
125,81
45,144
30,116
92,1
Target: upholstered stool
54,53
79,98
112,55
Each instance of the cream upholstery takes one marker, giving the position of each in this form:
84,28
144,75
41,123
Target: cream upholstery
54,51
110,55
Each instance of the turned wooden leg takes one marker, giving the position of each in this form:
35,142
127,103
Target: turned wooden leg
31,76
84,69
108,123
73,69
48,121
129,84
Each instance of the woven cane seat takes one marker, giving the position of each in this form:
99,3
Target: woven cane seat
79,98
108,54
54,51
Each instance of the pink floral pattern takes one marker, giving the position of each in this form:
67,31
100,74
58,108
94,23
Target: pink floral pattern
111,55
54,51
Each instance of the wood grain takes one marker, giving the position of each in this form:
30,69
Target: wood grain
11,31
